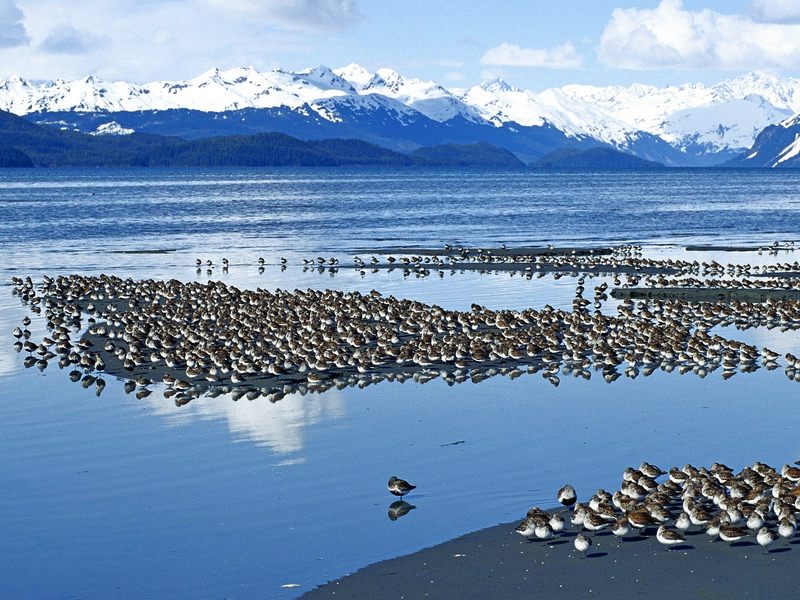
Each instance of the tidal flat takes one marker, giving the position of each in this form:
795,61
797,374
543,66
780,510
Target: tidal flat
132,494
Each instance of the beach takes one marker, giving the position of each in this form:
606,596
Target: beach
498,563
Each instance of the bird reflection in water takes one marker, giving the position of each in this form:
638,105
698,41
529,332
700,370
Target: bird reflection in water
399,508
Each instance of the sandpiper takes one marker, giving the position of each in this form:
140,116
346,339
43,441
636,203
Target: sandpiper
640,519
669,537
399,487
583,543
786,529
791,473
543,531
594,522
683,522
729,533
651,470
567,496
755,521
620,527
765,537
557,523
526,528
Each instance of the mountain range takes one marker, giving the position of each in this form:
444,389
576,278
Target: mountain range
686,125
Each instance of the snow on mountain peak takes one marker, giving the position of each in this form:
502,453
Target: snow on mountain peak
355,74
112,128
727,115
497,85
324,78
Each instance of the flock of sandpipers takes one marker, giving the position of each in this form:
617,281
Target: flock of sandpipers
758,502
209,337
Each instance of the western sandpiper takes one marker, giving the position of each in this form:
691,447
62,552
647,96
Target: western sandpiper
567,496
669,537
399,487
583,543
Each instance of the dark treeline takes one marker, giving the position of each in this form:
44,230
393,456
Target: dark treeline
25,144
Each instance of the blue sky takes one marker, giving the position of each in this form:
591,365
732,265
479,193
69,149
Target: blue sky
533,44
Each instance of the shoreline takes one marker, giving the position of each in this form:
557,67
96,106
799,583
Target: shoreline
498,563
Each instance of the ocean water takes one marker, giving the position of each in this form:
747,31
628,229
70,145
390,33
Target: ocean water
111,496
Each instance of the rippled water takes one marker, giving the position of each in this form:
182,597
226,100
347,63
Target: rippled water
112,496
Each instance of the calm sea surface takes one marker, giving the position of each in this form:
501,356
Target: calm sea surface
111,496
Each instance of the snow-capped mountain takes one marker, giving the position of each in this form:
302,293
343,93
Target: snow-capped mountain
776,147
428,97
727,116
686,124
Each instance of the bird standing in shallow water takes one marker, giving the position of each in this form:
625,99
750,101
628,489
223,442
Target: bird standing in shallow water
567,495
399,487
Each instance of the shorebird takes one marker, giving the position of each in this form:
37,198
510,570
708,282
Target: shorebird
651,471
729,533
620,527
765,537
640,519
669,537
594,522
543,531
567,496
791,473
399,487
755,521
712,530
582,543
557,523
786,529
699,516
683,522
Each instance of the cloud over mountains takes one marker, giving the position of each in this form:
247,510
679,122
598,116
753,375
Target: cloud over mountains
511,55
670,36
12,29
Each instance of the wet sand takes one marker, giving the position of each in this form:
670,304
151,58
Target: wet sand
705,294
497,266
499,563
751,248
497,251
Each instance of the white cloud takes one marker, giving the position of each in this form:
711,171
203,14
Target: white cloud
776,11
510,55
297,14
168,39
669,36
12,30
68,40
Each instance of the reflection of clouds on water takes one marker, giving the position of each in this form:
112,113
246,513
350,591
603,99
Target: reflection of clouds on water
278,426
774,339
8,359
777,340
